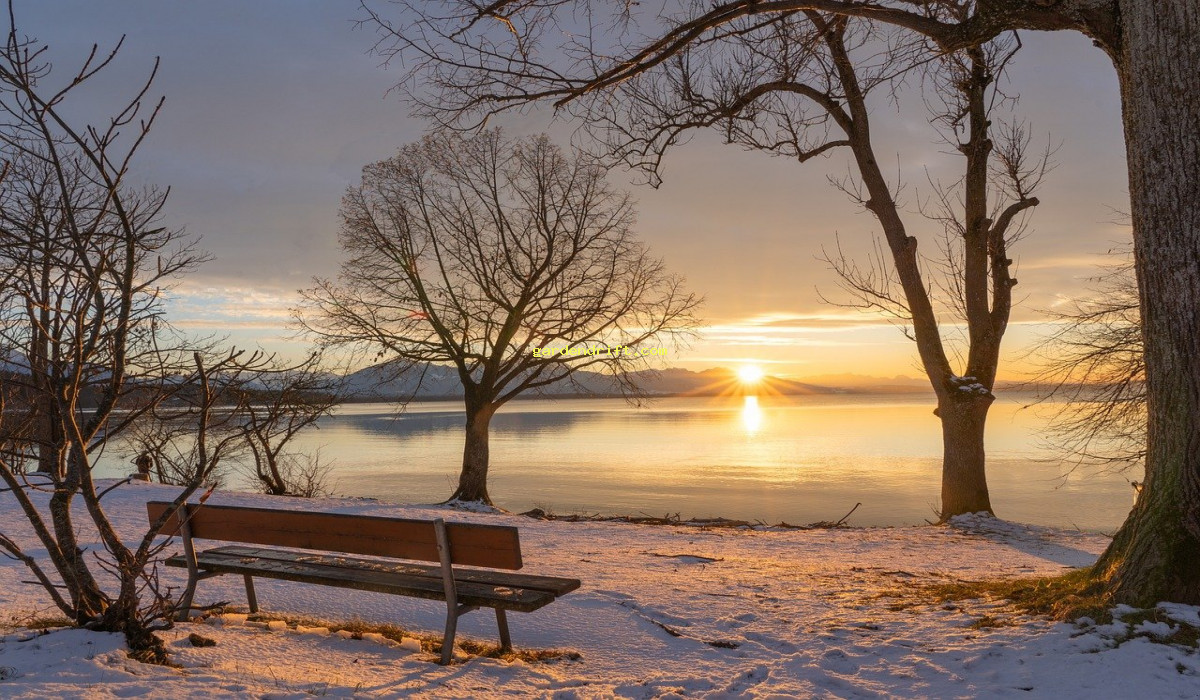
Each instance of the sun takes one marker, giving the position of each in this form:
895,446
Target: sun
750,374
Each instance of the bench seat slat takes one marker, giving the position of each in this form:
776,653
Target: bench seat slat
551,584
512,598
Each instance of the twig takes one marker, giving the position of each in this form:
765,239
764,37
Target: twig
39,583
847,515
675,520
126,480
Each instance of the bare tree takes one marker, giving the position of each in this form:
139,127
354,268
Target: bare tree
84,259
509,261
284,403
1092,367
809,101
161,442
256,418
465,60
802,85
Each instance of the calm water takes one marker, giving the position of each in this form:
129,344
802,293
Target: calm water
796,459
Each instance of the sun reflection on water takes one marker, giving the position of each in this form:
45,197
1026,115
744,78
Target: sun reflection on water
752,415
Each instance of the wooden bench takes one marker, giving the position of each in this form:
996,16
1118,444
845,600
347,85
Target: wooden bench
451,545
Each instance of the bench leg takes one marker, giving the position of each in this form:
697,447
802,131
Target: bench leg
502,623
185,604
250,597
448,639
189,554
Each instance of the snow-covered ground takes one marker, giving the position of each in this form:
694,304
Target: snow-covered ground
757,614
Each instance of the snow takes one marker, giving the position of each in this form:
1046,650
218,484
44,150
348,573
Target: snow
664,612
969,385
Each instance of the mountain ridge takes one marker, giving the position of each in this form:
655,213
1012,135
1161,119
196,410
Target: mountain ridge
426,382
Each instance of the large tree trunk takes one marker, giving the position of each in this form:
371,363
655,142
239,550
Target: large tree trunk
48,436
963,414
123,616
964,478
1156,554
87,599
472,481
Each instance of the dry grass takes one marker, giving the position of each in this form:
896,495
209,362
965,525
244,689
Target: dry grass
42,622
1066,598
988,622
493,651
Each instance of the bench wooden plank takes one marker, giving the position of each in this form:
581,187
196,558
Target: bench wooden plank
518,599
493,546
551,584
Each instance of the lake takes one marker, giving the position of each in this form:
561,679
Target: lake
796,459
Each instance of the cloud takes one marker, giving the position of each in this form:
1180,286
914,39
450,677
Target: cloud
259,139
1093,263
193,306
783,322
796,329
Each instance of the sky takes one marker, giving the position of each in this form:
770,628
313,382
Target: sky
272,109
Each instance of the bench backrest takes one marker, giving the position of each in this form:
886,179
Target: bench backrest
493,546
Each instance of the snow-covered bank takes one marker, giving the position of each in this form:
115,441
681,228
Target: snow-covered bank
663,612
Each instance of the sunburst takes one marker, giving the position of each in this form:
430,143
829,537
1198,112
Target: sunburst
750,374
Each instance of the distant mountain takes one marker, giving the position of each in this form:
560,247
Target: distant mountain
382,382
862,383
13,362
